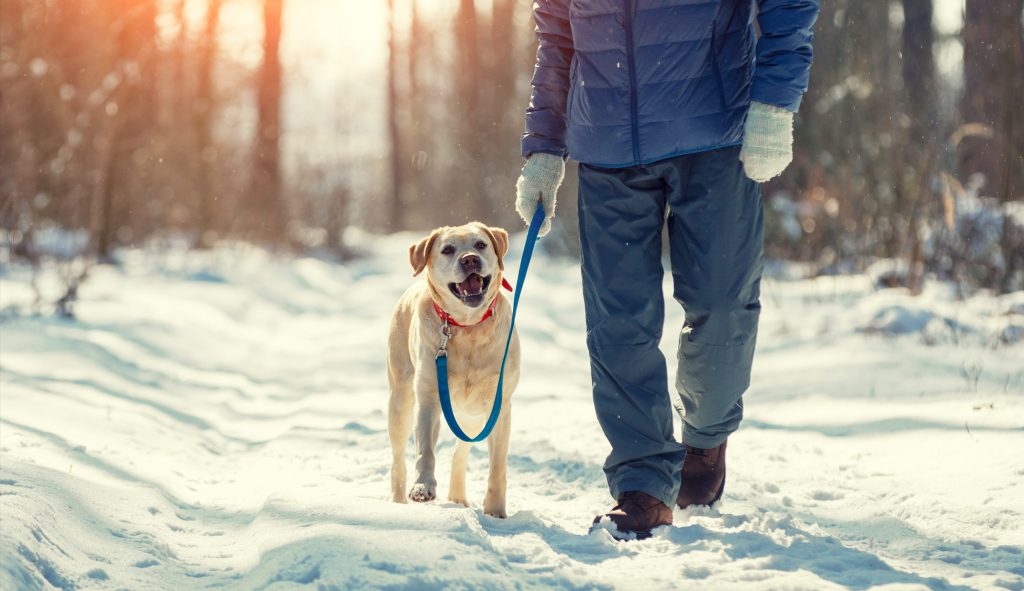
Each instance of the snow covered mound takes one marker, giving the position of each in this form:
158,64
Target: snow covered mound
216,420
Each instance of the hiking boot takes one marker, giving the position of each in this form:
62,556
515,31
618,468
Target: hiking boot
635,515
703,478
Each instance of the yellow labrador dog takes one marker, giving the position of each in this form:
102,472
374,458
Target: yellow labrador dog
463,282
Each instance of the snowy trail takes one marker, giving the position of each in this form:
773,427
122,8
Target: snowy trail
216,421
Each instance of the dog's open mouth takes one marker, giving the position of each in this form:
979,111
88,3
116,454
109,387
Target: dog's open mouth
472,289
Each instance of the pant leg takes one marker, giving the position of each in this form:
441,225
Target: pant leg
717,249
621,213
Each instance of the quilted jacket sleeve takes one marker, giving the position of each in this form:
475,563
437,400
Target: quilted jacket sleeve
783,52
545,117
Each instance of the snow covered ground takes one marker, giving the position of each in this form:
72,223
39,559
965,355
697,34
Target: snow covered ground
217,421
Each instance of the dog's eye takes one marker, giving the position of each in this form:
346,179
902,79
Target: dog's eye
448,250
481,245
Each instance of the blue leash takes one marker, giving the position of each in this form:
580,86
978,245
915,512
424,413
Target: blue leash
442,355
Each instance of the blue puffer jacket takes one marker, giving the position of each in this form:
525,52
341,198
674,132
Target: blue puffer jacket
626,82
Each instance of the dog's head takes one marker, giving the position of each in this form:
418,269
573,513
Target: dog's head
463,263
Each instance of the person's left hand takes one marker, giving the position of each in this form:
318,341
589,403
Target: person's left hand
767,141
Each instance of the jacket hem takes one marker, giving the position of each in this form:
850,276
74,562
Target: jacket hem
645,162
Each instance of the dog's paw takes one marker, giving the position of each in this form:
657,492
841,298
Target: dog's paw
494,505
421,493
459,500
495,509
496,512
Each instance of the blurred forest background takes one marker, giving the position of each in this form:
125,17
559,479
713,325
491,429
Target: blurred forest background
292,123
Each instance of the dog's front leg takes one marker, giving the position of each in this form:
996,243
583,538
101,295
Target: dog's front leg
428,424
457,485
497,446
400,409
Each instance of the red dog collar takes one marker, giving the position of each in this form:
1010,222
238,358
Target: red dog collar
446,317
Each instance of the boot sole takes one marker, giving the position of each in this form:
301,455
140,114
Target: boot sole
626,536
630,536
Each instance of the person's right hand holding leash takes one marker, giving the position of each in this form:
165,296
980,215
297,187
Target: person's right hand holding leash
542,174
767,141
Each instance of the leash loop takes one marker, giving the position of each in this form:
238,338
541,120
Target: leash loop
441,361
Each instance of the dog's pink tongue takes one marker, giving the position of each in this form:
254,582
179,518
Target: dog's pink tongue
473,284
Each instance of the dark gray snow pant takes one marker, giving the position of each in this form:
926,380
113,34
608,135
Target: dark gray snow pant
715,224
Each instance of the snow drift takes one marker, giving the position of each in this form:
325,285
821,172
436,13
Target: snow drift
216,420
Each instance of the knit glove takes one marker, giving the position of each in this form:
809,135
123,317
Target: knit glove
767,141
542,174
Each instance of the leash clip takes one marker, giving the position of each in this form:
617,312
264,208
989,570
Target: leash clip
446,335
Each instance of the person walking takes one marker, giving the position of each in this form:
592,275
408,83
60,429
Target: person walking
675,111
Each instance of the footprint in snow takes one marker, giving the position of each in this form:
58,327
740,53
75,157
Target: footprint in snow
824,495
98,574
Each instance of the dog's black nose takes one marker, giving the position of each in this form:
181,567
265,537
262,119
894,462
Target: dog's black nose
470,262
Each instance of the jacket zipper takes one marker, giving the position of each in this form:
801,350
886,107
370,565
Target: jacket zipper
632,80
715,66
573,75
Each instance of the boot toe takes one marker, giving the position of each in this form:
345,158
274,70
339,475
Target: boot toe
633,517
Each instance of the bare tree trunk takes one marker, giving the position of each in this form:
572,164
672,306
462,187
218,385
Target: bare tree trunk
417,37
993,87
178,93
923,151
270,212
468,78
103,227
19,158
132,124
501,157
394,219
419,53
919,66
337,216
203,110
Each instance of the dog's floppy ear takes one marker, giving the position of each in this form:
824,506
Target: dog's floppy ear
499,240
419,252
